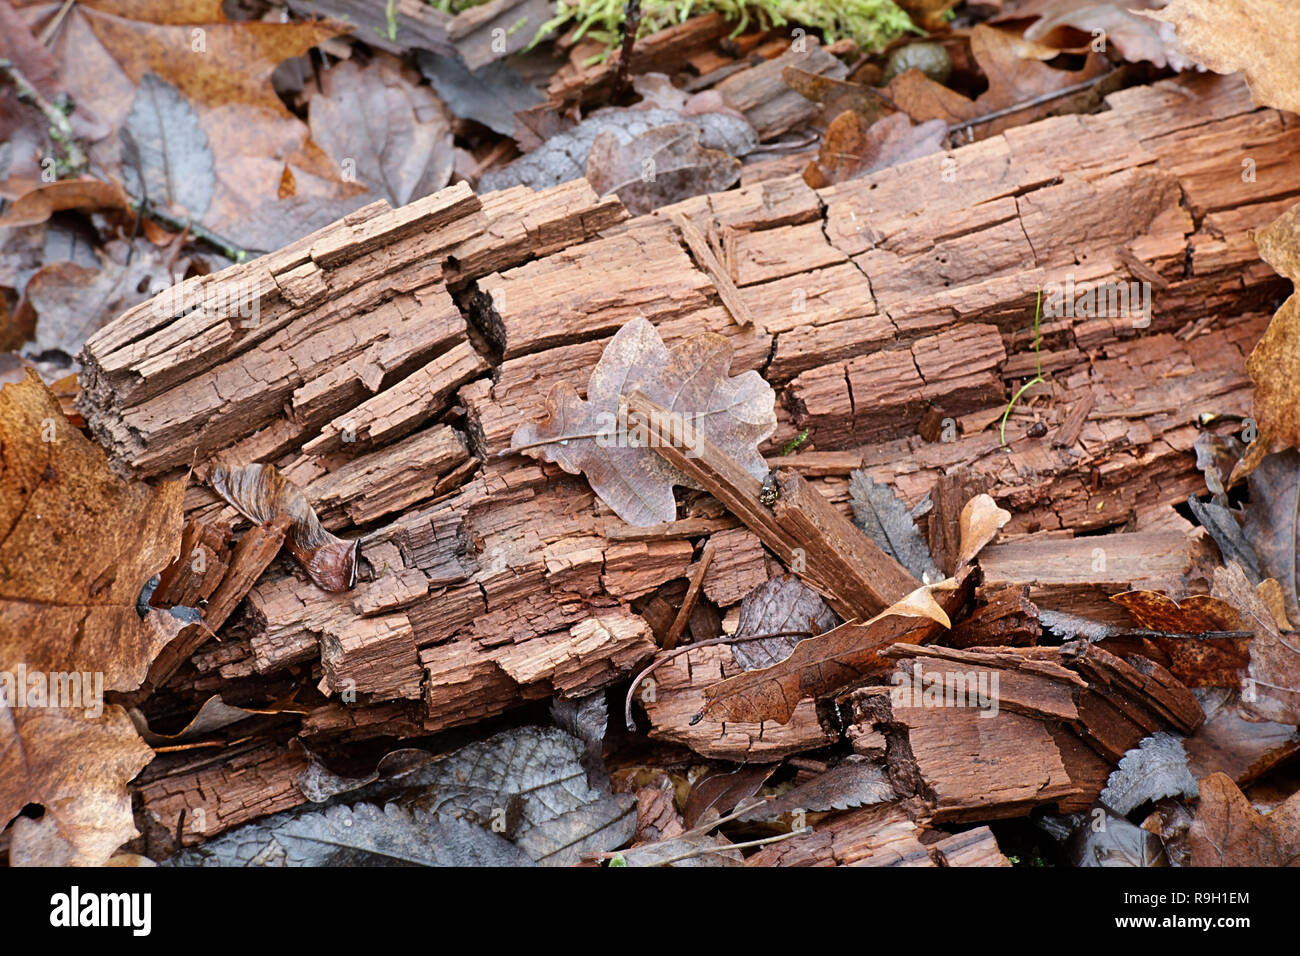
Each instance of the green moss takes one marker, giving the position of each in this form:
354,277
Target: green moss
870,23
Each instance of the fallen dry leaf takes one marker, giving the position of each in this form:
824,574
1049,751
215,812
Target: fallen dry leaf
850,150
563,157
1257,37
1274,689
166,154
397,135
261,494
856,781
1228,831
1074,25
1272,524
73,301
720,792
781,604
663,165
1012,80
79,546
826,663
839,96
222,68
1274,364
735,413
879,512
1196,661
981,520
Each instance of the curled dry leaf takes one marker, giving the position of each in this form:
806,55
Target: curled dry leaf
851,149
79,546
981,520
262,495
1274,364
834,660
87,195
1075,25
1257,37
735,413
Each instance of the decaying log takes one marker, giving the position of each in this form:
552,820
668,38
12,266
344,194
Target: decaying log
395,352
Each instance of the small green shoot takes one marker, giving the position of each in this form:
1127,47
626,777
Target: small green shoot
1037,379
793,444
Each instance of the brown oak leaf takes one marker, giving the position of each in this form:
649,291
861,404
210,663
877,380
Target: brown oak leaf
78,546
735,413
825,663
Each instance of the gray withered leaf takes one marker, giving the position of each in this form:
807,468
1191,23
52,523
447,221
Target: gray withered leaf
1117,844
168,158
586,718
1155,768
781,604
396,132
693,848
490,95
531,782
879,512
663,165
735,413
856,781
1273,522
563,157
1222,525
359,835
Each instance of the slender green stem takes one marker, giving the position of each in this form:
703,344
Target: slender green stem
1037,379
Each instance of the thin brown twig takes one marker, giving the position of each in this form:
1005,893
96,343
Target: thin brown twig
631,24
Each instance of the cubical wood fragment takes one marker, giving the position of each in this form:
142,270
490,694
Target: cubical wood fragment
884,835
993,732
673,695
1078,575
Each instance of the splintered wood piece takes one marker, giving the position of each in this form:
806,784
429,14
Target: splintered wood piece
692,596
253,555
804,530
722,281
